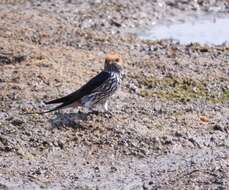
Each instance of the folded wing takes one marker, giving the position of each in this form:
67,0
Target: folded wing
83,91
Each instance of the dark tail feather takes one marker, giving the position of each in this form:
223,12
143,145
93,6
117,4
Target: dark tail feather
69,98
59,100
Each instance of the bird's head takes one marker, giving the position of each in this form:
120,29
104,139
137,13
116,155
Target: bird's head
113,63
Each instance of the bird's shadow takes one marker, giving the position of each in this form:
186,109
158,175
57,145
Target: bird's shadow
75,120
68,119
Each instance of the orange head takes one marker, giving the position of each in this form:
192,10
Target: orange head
113,62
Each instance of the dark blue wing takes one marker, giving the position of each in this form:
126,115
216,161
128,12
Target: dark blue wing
84,90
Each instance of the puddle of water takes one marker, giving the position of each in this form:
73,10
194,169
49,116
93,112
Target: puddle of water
204,31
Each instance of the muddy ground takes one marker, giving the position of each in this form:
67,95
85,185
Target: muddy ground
170,120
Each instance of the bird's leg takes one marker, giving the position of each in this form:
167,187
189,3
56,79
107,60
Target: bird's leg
105,105
101,109
106,111
93,111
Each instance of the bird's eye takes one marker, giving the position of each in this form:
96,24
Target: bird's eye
117,60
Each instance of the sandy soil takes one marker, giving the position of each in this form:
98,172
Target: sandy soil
170,123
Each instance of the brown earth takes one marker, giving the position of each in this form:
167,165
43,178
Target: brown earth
170,120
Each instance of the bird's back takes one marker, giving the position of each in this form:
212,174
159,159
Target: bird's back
104,91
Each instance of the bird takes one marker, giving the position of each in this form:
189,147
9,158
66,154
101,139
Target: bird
97,90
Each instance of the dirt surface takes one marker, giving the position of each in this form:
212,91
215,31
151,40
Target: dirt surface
170,120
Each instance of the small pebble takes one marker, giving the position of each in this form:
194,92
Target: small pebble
218,127
17,122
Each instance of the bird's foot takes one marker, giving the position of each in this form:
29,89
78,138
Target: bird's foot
94,112
80,112
108,114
